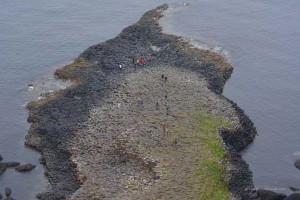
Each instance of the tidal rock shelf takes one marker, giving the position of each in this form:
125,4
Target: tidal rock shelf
103,137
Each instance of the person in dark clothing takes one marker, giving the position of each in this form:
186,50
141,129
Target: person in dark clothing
134,62
166,78
162,76
176,141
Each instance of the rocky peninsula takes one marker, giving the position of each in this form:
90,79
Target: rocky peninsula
159,130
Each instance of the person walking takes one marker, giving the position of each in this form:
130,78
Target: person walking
164,126
168,131
134,62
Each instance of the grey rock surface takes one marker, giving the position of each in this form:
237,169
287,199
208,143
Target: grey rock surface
12,164
297,163
270,195
3,168
294,196
25,168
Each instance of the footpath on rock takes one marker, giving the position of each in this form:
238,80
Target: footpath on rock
158,130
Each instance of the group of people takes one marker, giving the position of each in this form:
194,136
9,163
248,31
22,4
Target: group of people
138,62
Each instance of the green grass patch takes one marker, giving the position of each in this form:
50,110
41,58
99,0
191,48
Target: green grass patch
214,147
210,171
196,164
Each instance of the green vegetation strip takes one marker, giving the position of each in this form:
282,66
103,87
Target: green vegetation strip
210,174
196,164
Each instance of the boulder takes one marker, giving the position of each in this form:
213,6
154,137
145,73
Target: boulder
294,196
294,189
12,164
297,163
25,168
269,195
7,192
1,157
3,168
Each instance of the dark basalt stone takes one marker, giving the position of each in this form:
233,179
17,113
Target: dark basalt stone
269,195
12,164
295,196
294,189
3,168
7,192
25,168
297,163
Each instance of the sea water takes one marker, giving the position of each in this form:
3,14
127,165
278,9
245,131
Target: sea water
260,38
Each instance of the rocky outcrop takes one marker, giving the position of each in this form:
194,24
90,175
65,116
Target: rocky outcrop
17,166
269,195
25,168
294,196
294,189
12,164
3,168
7,194
97,74
297,163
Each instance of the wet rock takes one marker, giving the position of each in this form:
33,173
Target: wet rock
25,168
294,189
12,164
295,196
297,163
269,195
3,168
1,157
7,192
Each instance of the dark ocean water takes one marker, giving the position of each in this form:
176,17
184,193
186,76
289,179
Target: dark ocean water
261,39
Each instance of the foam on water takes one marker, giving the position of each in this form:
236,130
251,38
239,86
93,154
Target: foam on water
199,42
208,46
45,85
297,153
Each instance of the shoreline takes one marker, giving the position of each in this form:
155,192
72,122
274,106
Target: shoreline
96,74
